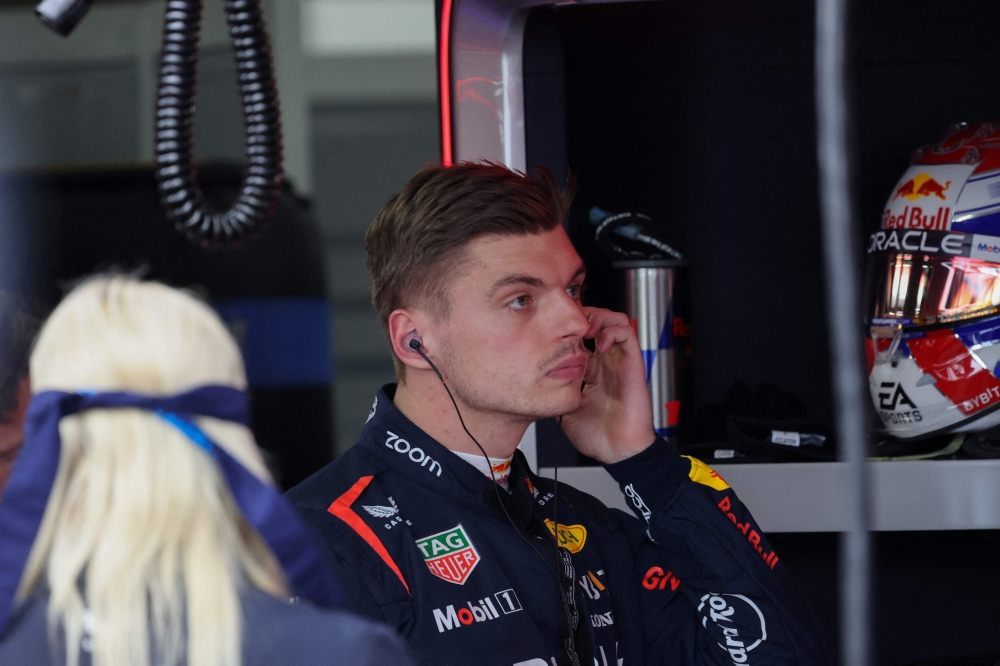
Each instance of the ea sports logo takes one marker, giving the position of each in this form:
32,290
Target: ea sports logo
892,395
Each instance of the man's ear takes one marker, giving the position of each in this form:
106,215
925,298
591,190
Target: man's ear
405,325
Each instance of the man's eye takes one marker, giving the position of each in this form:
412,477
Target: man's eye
574,291
519,303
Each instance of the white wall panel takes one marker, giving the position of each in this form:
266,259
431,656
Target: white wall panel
367,27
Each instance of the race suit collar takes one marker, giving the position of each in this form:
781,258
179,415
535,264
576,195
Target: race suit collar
497,469
398,442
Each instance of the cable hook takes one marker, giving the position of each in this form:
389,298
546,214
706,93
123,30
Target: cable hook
176,175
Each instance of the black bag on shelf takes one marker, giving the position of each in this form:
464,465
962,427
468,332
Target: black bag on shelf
766,424
983,445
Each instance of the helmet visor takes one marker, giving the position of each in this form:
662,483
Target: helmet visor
930,288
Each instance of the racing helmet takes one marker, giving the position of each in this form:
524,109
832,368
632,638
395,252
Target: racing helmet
933,287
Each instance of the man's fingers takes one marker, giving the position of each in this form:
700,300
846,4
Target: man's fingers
601,362
600,318
622,334
590,372
603,318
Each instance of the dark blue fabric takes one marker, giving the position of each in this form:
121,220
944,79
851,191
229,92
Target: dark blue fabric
274,634
285,341
690,580
30,483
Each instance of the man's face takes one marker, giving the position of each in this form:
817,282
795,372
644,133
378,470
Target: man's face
513,340
12,432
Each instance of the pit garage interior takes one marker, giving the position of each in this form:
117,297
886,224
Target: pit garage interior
700,114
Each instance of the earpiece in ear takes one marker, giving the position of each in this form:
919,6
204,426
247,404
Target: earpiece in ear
416,345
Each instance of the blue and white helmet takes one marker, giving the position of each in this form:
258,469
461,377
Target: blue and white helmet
933,285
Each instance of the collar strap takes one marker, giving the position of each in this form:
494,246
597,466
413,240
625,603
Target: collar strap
30,483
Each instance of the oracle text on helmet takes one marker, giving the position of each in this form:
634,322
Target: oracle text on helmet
915,241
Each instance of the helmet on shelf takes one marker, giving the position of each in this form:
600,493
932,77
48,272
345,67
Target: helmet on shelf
933,286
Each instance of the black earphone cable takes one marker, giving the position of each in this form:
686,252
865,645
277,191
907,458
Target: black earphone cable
417,346
555,489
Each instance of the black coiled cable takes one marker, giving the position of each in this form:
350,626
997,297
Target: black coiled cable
175,173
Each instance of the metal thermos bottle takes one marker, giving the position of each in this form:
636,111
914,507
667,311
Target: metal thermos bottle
651,289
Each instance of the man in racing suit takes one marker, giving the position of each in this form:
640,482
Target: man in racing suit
477,562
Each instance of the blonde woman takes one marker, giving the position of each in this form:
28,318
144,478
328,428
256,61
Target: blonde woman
140,527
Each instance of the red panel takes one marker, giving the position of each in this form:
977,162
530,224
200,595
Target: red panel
444,60
673,412
341,508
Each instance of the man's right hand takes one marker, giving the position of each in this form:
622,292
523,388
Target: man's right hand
615,418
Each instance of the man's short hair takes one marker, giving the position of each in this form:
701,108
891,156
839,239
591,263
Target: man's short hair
18,329
417,240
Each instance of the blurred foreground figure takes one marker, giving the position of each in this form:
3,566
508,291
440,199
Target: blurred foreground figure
18,329
139,526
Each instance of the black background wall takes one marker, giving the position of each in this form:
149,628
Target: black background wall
701,114
60,227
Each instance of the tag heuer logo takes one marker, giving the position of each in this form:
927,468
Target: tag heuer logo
449,555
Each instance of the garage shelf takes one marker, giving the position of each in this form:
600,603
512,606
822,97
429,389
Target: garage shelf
808,497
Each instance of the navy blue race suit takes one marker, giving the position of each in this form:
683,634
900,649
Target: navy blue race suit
419,540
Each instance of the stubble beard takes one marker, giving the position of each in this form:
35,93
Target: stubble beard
486,390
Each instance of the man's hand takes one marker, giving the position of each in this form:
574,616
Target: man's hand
615,418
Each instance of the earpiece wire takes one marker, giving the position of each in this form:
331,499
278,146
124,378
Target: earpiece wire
570,639
496,486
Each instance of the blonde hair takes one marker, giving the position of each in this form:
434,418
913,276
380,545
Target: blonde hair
141,533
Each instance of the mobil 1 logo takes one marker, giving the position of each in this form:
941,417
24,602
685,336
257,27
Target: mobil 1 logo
895,406
481,610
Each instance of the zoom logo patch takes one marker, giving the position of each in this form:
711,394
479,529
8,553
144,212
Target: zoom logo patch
414,453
